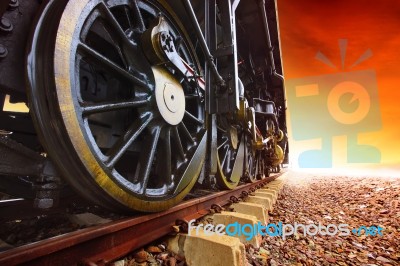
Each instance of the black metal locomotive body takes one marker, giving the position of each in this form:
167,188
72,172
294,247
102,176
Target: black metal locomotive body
134,102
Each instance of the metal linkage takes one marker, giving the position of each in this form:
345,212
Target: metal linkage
203,44
269,42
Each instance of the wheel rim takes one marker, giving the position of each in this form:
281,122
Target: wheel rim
230,153
106,94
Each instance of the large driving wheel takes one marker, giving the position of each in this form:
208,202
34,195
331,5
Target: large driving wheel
127,133
230,152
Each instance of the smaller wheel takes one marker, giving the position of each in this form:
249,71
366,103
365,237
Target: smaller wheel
230,153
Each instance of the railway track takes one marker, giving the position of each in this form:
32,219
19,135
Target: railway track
101,244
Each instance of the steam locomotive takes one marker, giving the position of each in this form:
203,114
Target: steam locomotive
134,102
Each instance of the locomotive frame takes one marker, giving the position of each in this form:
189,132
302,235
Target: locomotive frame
134,102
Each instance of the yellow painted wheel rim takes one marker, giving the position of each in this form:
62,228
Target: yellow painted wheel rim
65,80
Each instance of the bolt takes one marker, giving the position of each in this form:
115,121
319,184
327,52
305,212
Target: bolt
13,4
3,51
5,24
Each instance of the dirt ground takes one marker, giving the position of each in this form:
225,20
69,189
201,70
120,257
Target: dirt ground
356,200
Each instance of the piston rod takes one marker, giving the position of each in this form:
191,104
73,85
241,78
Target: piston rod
269,44
203,44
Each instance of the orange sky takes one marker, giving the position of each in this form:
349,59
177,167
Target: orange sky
309,26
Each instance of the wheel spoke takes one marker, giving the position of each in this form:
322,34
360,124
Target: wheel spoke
138,15
108,65
178,143
89,109
123,143
116,31
128,16
221,129
146,160
227,165
164,165
222,144
193,118
186,132
224,158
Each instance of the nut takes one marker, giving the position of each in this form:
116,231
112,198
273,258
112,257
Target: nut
6,25
3,51
13,4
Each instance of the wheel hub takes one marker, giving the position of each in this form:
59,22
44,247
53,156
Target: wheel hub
170,97
233,137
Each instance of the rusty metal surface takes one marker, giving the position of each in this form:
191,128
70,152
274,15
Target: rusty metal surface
102,244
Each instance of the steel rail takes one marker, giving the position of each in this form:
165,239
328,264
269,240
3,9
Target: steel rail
102,244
